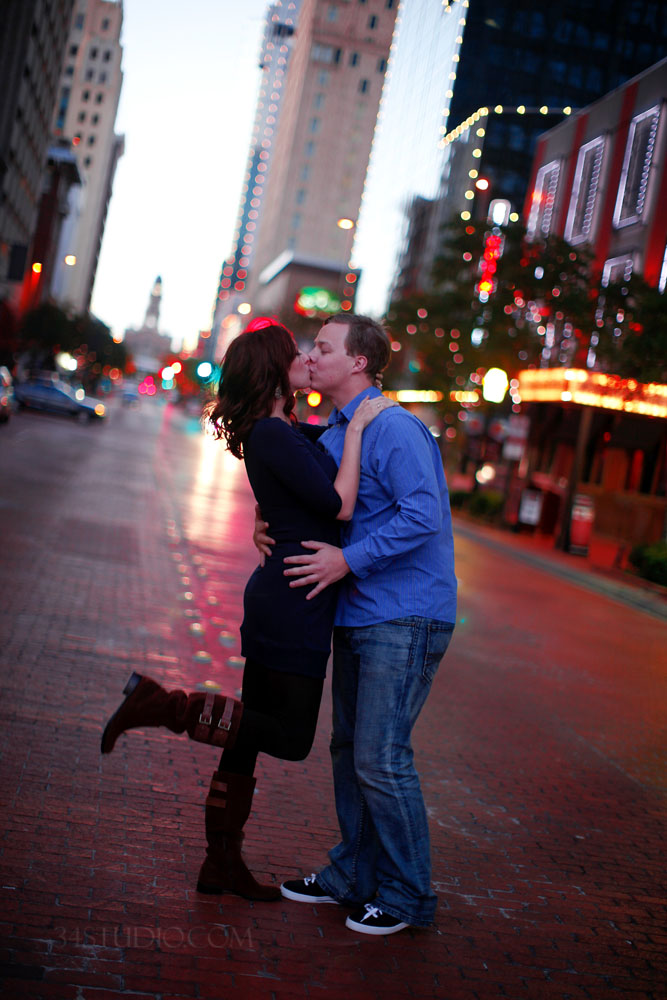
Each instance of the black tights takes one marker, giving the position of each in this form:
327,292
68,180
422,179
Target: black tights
279,717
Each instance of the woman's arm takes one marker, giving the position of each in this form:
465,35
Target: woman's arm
346,483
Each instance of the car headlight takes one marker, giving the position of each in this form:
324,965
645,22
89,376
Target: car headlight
100,410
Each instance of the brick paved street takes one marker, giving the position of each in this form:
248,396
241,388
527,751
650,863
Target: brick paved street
541,750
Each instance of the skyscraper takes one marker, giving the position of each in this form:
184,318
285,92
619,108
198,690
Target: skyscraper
316,154
86,113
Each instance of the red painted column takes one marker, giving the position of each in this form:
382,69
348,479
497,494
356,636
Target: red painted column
617,152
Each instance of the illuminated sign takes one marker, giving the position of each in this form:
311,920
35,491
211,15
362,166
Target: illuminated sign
609,392
313,301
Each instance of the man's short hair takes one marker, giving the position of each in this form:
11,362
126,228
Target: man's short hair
365,337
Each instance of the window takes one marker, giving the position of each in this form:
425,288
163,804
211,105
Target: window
90,73
85,95
102,78
617,269
363,86
107,56
332,13
95,119
300,196
105,24
325,53
69,71
91,140
323,78
382,65
88,160
296,220
372,21
81,116
314,125
309,148
73,49
80,19
93,53
580,214
631,198
544,196
389,4
62,107
662,283
354,58
99,98
318,100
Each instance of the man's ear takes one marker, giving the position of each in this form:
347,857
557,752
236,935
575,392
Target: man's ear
360,363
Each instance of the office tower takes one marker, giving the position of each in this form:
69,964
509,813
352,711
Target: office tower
32,46
515,69
86,113
318,156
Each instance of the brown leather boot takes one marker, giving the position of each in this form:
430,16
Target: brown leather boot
228,806
207,718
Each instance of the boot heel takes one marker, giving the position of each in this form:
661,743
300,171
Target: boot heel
132,683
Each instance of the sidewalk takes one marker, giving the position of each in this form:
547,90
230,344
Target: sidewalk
595,571
540,751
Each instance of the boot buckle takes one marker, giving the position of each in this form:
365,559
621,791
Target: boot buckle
206,716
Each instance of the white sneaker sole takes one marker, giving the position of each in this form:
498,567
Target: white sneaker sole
377,931
301,897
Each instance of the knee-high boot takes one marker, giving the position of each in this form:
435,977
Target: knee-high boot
207,718
228,806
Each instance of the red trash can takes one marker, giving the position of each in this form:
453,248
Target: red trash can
581,524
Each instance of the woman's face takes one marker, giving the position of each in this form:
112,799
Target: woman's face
299,372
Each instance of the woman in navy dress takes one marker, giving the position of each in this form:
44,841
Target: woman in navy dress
286,638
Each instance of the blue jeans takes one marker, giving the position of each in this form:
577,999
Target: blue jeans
381,677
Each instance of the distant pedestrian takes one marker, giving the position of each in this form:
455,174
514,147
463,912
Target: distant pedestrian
286,638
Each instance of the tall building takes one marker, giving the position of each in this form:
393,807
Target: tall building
514,69
86,113
317,155
33,34
147,345
276,49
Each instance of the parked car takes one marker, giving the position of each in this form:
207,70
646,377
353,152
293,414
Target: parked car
53,395
6,394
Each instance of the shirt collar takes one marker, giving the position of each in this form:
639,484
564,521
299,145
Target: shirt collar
345,415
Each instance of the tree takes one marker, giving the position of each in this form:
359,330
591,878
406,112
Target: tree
631,324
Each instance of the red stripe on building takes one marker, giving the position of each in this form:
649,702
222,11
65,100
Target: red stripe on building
614,177
564,199
657,233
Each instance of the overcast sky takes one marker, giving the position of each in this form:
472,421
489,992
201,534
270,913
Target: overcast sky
186,110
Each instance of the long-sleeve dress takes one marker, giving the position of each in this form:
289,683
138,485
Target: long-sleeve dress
292,479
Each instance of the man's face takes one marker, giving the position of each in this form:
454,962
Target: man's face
330,364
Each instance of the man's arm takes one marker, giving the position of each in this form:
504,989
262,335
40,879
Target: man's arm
404,466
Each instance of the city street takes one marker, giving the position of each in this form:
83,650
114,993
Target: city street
126,545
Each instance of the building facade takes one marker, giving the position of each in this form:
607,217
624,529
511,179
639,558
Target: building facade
33,35
600,179
318,155
516,68
90,88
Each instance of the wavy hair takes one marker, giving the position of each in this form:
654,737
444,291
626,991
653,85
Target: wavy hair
254,368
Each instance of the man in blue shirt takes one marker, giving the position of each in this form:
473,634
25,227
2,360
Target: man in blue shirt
395,618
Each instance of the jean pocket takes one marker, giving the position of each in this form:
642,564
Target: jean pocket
438,637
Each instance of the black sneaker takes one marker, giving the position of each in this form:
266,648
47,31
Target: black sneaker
371,920
306,890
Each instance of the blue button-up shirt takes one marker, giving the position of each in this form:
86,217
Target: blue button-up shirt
399,543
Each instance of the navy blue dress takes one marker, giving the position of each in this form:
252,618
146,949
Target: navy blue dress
292,479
